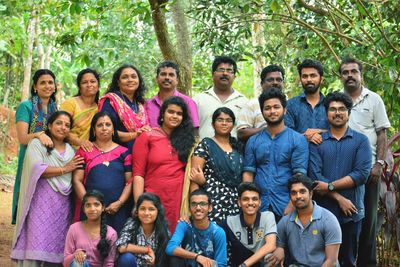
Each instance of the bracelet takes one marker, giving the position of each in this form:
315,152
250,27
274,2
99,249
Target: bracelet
195,258
62,171
40,133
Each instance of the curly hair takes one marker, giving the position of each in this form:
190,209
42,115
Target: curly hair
168,64
104,245
36,77
96,117
232,140
311,63
338,97
223,59
160,227
51,120
272,93
139,93
271,68
182,138
79,79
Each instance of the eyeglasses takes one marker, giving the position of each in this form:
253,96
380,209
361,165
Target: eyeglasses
201,204
337,110
222,70
272,79
221,120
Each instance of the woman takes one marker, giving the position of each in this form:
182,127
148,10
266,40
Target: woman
124,102
82,107
91,242
160,157
31,118
143,240
44,204
107,168
217,166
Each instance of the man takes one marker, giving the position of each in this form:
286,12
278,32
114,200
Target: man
368,116
306,112
220,95
340,165
251,234
250,119
167,80
203,242
274,154
310,234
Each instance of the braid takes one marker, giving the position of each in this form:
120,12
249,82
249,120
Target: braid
104,245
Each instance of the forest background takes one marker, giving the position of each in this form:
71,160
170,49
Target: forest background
69,35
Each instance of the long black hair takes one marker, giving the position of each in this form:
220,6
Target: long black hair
104,245
160,227
79,79
51,120
139,93
36,77
232,140
96,117
182,138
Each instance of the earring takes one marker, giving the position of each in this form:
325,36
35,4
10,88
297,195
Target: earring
162,119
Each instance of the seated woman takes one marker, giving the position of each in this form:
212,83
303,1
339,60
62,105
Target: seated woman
124,102
143,240
91,242
107,168
44,205
160,157
82,107
217,166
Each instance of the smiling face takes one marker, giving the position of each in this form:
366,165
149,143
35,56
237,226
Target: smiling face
60,128
167,79
147,212
93,209
89,85
199,207
104,129
128,81
45,86
338,114
310,80
273,111
172,117
249,202
223,124
223,76
300,196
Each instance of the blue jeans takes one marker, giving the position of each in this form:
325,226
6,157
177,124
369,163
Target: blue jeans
76,264
348,249
126,260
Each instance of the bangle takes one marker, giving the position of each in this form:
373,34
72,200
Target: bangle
40,133
62,171
195,258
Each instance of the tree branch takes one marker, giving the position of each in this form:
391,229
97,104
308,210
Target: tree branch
316,10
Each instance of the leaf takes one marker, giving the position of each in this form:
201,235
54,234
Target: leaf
390,203
101,62
398,232
275,6
380,220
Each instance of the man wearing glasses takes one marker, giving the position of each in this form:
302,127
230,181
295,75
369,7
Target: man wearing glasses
220,95
340,166
250,120
201,243
306,113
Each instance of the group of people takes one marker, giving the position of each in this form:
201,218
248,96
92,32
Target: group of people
122,181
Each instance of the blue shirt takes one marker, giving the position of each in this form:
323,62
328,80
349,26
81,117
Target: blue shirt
306,244
300,115
274,161
210,242
334,159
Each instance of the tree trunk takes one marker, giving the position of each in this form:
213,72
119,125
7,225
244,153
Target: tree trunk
39,45
8,80
259,62
28,61
47,56
184,57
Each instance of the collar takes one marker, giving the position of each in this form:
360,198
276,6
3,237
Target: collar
235,94
141,232
328,135
279,134
304,98
243,223
156,99
316,215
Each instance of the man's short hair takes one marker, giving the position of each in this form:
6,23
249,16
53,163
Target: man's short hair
338,97
300,178
350,60
247,186
168,64
200,192
273,92
311,63
223,59
271,68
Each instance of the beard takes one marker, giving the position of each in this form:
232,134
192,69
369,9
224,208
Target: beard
274,122
310,89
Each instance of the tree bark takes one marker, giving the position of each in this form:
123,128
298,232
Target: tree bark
259,61
28,60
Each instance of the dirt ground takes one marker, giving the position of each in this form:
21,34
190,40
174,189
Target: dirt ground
6,229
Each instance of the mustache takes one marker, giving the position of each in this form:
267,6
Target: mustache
350,79
224,77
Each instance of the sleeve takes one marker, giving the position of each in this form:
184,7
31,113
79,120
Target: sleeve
220,247
82,153
140,154
299,159
109,109
282,239
249,163
127,161
315,164
362,162
201,150
194,114
23,112
69,106
380,116
245,118
270,225
289,117
125,235
177,238
109,261
69,248
332,231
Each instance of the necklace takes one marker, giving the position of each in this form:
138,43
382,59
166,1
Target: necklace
106,161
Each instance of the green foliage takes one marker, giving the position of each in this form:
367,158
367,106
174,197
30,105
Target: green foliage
8,167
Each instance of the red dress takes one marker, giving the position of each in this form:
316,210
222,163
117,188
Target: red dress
157,162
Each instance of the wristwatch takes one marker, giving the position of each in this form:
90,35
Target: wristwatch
381,162
331,187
